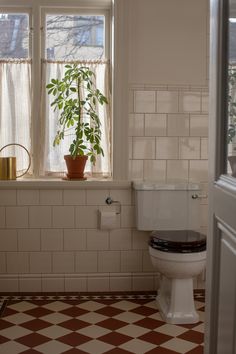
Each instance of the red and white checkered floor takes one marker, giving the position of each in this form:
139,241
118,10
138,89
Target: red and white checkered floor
94,324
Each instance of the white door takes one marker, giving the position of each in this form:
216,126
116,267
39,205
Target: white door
220,337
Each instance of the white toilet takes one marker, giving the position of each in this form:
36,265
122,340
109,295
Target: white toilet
176,247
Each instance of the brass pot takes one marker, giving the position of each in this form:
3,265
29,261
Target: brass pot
8,165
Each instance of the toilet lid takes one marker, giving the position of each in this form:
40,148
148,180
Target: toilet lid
178,241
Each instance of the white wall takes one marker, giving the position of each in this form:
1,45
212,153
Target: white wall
168,41
49,239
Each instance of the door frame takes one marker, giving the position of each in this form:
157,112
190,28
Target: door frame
218,180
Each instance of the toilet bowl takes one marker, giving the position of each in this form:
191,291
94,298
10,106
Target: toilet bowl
176,248
178,262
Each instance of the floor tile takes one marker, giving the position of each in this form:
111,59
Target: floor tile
32,339
132,330
171,330
179,345
94,331
137,346
54,332
52,347
155,338
192,336
18,332
12,347
115,338
95,346
125,323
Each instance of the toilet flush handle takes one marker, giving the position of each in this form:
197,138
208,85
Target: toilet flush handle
199,196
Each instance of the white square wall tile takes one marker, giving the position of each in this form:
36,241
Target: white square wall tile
205,102
204,148
97,240
53,285
51,239
29,240
204,216
140,240
27,197
143,148
63,262
74,239
7,197
40,216
3,263
74,197
120,283
40,262
198,171
120,239
144,101
131,261
50,197
109,261
17,262
143,283
135,169
86,262
17,217
97,197
147,263
2,217
8,240
130,147
155,124
189,148
63,216
199,125
122,196
9,285
177,170
155,170
190,101
76,284
136,124
167,101
86,217
99,284
178,125
30,285
127,216
167,148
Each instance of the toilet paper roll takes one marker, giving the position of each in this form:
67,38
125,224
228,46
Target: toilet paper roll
107,220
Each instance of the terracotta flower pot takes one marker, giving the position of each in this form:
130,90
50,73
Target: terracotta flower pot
75,167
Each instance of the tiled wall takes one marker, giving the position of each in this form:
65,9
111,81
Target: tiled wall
50,241
169,134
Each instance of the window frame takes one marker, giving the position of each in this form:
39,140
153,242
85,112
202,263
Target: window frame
118,47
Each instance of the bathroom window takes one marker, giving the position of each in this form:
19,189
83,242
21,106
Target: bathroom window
35,46
15,83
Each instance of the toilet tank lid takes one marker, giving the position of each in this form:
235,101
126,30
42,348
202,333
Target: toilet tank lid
152,185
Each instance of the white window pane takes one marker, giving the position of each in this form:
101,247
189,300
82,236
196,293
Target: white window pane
73,37
14,35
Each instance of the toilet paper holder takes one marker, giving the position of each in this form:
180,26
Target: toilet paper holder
110,201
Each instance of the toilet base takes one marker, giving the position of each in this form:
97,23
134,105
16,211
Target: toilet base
176,302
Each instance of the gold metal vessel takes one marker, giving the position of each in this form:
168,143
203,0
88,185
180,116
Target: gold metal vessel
8,165
7,168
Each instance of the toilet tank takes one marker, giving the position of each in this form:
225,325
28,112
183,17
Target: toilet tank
166,206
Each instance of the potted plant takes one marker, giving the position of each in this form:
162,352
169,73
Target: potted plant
76,99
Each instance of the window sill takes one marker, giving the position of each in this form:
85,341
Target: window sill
57,183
